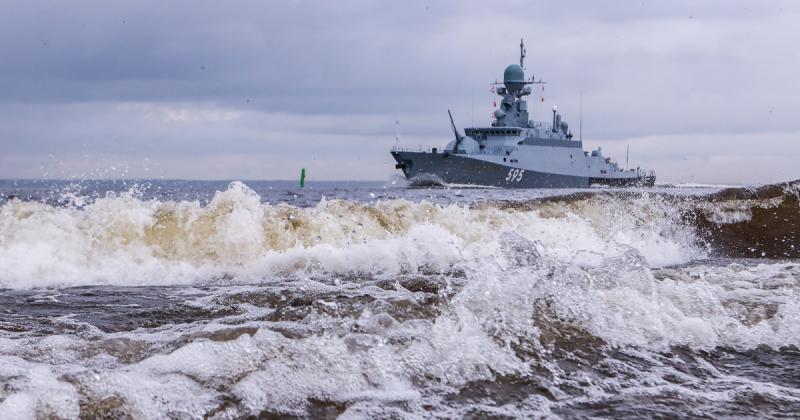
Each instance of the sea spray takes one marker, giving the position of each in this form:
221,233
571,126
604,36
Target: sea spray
123,240
601,303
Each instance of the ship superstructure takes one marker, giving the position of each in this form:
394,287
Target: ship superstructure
516,151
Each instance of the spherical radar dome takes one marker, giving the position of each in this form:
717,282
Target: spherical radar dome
514,74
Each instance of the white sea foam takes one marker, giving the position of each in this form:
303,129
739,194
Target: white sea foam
126,241
384,361
601,266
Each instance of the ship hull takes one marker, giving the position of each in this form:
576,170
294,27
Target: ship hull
447,168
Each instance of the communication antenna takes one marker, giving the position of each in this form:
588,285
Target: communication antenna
580,117
627,154
397,131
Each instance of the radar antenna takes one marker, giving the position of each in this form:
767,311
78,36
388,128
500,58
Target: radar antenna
521,52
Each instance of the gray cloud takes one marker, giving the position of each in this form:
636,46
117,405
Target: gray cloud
259,84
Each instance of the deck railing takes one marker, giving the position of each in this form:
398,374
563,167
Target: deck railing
492,150
420,149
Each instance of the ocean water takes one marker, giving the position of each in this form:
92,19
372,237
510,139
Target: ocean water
182,299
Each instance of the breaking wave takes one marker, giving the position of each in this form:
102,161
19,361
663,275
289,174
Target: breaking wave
585,257
398,307
123,240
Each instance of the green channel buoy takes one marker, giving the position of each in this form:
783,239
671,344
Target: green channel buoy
302,177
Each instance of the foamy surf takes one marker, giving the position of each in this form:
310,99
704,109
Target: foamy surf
123,240
398,307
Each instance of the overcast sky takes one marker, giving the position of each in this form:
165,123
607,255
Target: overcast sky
702,91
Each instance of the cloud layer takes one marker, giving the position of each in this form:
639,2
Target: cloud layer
702,92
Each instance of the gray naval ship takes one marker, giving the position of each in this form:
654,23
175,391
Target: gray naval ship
516,152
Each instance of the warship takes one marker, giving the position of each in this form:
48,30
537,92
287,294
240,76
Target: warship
516,152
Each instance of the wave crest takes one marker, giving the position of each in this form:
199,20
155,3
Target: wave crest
123,240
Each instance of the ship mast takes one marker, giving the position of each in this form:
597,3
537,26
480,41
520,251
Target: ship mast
521,52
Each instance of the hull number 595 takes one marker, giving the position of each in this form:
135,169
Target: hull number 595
515,175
